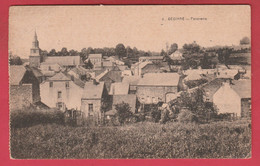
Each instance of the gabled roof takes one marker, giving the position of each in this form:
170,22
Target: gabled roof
211,87
242,87
93,91
159,79
119,88
131,80
64,60
16,74
61,76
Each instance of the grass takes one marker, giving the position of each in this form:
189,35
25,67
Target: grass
140,140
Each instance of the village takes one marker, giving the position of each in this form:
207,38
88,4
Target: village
94,87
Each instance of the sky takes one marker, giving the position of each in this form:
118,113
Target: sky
144,27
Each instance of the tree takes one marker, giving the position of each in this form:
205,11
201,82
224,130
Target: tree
123,112
64,51
52,52
173,48
224,54
89,65
129,51
120,50
191,48
15,60
245,41
163,53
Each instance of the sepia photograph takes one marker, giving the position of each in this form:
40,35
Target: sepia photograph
130,82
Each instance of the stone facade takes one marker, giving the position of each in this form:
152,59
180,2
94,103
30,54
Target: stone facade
150,94
92,109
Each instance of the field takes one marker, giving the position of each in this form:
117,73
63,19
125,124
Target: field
140,140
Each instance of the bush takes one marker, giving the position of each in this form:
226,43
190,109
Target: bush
186,116
123,112
30,117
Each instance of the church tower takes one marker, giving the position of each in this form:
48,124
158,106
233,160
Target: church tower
35,50
35,58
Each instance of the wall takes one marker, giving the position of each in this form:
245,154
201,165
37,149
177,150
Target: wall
227,101
246,107
96,108
34,61
70,96
155,91
20,96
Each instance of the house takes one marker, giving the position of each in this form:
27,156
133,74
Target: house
109,77
95,58
24,87
193,75
157,87
81,73
37,73
211,87
64,61
137,67
151,59
234,98
130,99
119,88
62,91
92,99
133,82
177,57
115,60
46,66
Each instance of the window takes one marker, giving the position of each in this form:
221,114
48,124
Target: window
59,105
59,94
67,85
51,84
90,108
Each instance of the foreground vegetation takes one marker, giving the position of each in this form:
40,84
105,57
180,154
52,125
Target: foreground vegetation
224,139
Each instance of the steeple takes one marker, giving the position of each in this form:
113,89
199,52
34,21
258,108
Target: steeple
35,43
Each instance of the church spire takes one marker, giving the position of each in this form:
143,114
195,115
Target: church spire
35,43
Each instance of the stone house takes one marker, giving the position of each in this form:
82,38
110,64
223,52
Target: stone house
93,99
157,87
62,91
109,77
24,87
234,98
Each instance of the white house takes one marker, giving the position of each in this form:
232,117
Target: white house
62,91
234,98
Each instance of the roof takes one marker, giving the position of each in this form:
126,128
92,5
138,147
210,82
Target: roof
107,63
93,91
95,56
159,79
66,77
151,57
131,80
59,77
119,88
16,74
211,87
129,99
36,71
177,55
193,75
242,87
98,77
122,67
64,60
